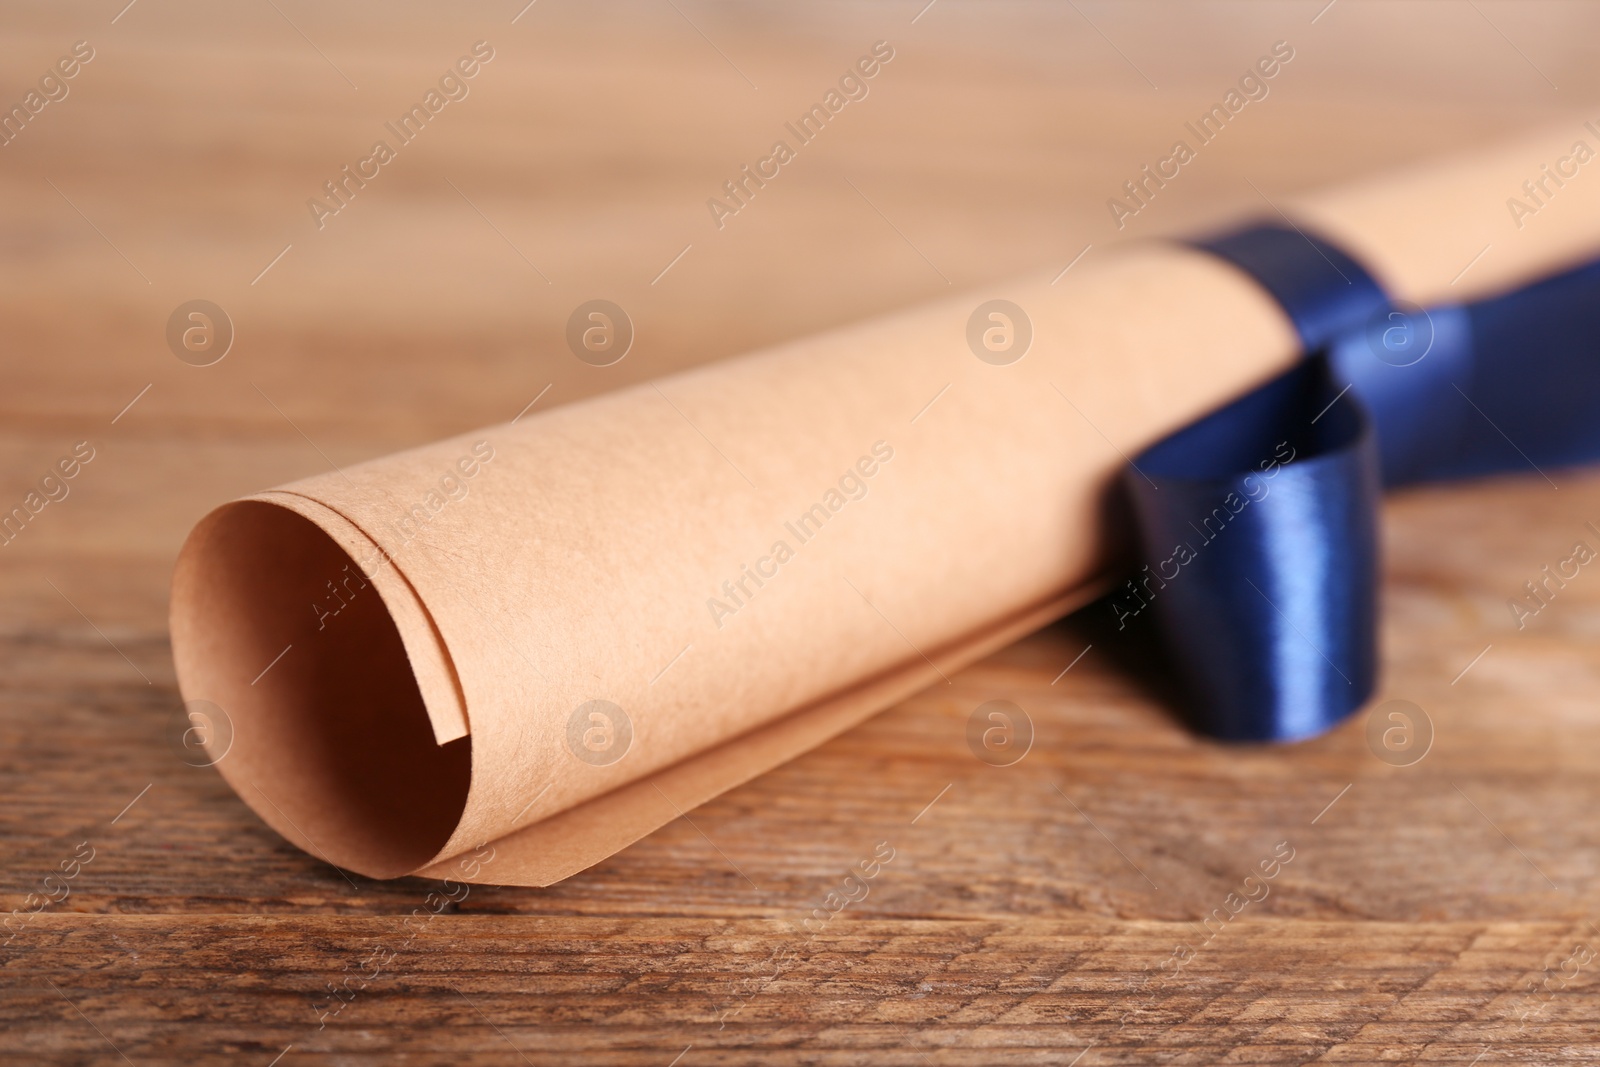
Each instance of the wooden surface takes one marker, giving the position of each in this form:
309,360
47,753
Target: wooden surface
1442,912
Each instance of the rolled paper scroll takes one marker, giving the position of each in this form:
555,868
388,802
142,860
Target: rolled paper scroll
559,634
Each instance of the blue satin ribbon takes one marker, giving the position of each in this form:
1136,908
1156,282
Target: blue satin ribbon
1258,524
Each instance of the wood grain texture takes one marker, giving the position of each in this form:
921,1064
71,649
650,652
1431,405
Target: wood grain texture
1442,912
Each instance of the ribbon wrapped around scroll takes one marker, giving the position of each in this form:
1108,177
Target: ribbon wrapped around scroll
1259,522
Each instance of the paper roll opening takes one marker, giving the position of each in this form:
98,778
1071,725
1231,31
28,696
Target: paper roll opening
330,743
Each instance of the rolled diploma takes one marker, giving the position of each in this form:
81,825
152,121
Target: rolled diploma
749,557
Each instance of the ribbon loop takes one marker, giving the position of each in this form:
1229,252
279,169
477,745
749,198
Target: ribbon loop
1260,524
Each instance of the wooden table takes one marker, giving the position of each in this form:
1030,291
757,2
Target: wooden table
1438,912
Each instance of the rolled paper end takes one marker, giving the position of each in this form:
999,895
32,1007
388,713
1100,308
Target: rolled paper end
296,648
1260,525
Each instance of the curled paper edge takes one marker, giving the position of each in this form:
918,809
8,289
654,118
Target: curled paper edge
571,841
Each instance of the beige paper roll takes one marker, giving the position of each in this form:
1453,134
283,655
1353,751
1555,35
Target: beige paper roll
746,558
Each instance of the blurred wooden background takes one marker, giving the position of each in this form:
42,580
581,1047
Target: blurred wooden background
1439,912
